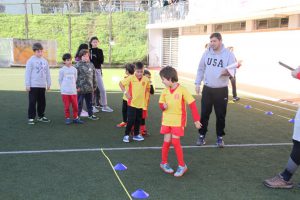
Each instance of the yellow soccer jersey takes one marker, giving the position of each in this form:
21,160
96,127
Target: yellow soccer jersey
138,90
175,114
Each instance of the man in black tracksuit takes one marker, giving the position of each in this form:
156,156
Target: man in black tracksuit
212,68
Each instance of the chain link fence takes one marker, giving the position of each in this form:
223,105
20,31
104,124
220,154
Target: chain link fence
119,25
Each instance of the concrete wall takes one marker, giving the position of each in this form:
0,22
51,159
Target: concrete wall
155,47
260,52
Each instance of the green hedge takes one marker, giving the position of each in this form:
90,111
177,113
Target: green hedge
128,29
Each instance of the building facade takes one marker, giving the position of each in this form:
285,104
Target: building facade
262,32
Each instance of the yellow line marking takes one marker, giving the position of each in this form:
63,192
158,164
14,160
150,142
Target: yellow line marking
120,181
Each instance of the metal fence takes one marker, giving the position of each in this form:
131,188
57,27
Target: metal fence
119,25
174,12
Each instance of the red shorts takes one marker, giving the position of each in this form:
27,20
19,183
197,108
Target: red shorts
174,130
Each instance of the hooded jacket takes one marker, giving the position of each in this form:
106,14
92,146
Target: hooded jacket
86,79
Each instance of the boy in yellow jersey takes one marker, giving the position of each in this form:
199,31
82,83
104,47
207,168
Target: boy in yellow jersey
138,88
172,102
129,70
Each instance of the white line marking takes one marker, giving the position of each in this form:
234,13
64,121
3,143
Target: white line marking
135,148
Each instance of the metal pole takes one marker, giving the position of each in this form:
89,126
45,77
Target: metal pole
26,20
70,32
110,32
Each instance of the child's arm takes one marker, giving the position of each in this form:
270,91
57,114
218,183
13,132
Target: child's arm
48,77
162,101
28,75
192,104
122,86
60,77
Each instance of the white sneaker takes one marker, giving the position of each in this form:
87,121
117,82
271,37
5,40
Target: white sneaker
126,139
95,110
84,113
107,109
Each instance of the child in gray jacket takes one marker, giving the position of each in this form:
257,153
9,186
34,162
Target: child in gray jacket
37,80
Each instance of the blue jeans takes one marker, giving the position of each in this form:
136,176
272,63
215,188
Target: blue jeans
88,101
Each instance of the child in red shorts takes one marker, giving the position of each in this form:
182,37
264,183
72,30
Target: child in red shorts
172,102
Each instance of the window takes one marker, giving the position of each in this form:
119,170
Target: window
194,30
226,27
272,23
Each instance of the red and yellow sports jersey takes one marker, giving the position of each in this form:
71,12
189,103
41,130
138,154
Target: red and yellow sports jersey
175,114
126,88
138,90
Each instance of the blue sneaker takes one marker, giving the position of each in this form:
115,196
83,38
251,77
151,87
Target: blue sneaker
78,121
180,171
220,142
68,121
138,138
166,168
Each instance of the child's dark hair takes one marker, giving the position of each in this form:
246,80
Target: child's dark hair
130,68
216,35
92,38
37,46
139,65
66,56
147,72
81,46
83,52
169,73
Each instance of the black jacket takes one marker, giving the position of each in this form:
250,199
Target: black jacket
97,57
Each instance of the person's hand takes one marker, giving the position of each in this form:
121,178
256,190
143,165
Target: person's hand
48,87
27,89
225,72
128,95
197,89
165,106
198,124
239,63
78,89
295,72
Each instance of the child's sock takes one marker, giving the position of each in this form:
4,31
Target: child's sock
178,151
142,128
165,152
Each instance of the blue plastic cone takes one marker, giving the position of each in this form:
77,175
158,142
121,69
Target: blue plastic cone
292,120
140,194
248,106
268,113
120,167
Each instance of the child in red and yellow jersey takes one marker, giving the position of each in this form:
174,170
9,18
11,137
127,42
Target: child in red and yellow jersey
172,102
138,88
143,129
129,70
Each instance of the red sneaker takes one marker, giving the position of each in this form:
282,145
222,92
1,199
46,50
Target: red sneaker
122,124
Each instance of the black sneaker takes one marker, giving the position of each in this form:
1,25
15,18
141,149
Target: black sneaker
236,99
43,119
31,122
201,140
220,142
93,117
